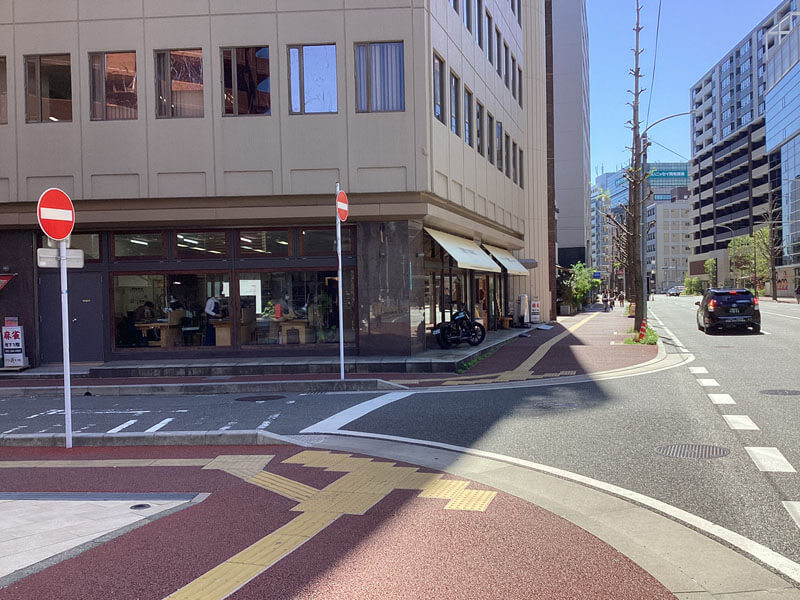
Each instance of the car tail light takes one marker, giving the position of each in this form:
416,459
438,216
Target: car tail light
755,303
711,305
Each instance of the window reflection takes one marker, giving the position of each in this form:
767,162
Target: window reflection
113,86
312,79
129,245
49,88
323,241
246,81
3,92
179,83
208,244
265,243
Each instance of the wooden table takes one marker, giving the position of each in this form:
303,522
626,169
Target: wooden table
505,322
222,331
302,328
168,334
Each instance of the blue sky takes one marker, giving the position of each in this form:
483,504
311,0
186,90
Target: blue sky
694,35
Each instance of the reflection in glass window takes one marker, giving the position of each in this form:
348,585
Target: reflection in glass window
490,137
295,308
379,77
3,91
455,104
206,244
88,242
138,305
48,86
265,243
323,241
113,86
245,73
499,145
132,245
438,88
479,127
312,79
199,305
468,117
179,83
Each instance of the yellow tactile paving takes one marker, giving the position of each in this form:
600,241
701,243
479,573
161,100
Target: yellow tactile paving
474,500
106,463
316,458
268,550
289,488
219,582
418,481
308,524
444,489
242,466
345,503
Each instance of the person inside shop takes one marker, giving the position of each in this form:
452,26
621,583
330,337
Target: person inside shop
145,312
213,310
175,304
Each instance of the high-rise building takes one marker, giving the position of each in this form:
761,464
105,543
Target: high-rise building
571,128
783,127
730,167
202,143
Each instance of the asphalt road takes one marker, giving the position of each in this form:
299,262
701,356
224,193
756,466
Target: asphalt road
607,430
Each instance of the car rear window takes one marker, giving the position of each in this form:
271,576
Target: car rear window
732,296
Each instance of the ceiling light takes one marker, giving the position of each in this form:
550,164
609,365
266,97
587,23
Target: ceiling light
245,239
283,242
191,241
140,242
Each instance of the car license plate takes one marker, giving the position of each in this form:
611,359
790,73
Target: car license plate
734,311
435,332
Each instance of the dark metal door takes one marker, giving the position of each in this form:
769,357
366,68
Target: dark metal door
86,315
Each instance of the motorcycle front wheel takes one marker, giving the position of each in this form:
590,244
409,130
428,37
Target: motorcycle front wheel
477,334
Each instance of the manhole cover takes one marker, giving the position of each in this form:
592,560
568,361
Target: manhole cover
692,451
260,398
780,392
140,506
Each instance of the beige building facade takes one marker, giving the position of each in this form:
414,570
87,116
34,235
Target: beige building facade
202,143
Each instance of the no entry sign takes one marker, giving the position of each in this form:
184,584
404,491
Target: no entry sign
56,214
342,206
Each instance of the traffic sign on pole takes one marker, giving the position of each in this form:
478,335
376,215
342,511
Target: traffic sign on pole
56,214
342,206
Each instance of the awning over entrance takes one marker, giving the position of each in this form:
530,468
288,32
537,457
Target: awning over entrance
505,258
466,253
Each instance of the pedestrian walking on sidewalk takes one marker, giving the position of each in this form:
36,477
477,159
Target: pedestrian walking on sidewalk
797,293
622,299
605,301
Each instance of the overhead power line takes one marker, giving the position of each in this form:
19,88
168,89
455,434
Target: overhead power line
655,59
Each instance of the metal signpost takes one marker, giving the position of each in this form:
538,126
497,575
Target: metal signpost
56,217
342,210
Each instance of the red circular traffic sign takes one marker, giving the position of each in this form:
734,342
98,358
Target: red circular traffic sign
342,206
56,214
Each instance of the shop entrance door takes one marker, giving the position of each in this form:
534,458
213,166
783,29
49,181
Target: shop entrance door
86,316
481,299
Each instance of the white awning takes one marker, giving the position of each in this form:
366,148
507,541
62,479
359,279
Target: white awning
505,258
466,253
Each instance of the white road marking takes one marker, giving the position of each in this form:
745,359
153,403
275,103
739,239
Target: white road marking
52,411
228,426
721,399
158,426
740,422
119,428
770,459
765,332
708,382
698,370
264,425
764,312
766,555
16,429
794,510
349,415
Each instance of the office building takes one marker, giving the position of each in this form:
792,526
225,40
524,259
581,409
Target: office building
783,127
202,143
731,167
571,128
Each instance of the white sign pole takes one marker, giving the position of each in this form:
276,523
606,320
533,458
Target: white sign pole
62,258
341,318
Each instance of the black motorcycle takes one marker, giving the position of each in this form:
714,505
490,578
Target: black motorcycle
461,328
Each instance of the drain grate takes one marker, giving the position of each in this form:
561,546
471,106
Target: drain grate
692,451
780,392
260,398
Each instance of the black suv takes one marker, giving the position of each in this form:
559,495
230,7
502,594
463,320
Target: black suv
723,308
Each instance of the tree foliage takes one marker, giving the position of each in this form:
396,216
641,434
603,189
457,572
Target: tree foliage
711,270
750,255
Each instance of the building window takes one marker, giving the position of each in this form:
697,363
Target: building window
467,117
514,76
726,81
208,244
312,79
514,172
521,170
499,47
479,127
506,75
519,13
466,13
380,83
490,137
746,83
455,112
508,155
438,88
455,3
264,243
245,81
179,83
113,86
499,146
321,241
489,42
3,92
746,118
138,245
478,19
48,93
745,66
